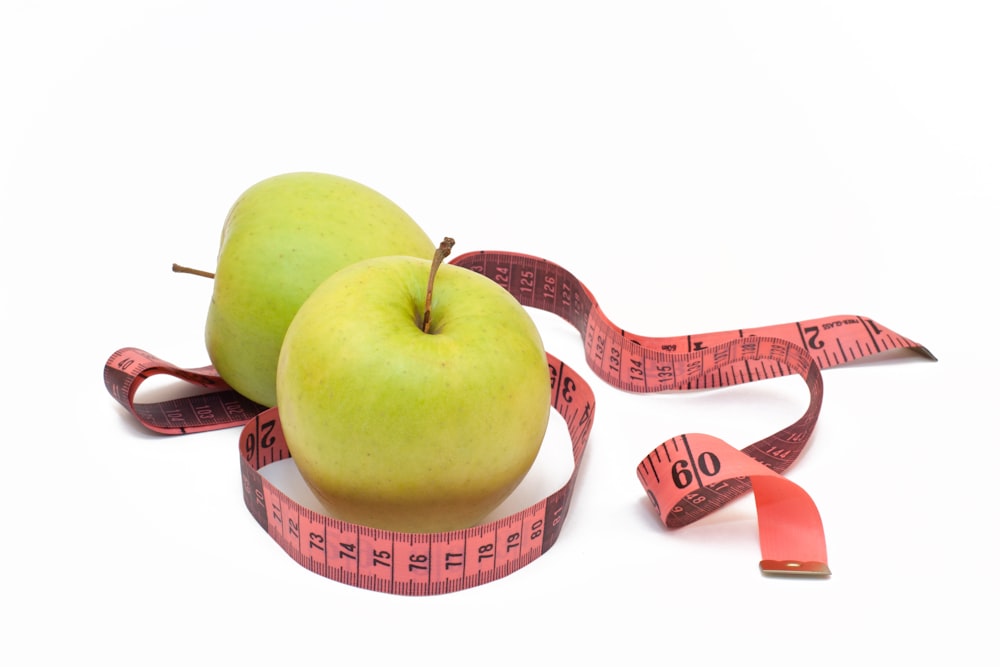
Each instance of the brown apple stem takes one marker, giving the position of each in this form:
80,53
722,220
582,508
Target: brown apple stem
442,251
197,272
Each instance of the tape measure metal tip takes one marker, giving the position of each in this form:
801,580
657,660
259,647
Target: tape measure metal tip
795,568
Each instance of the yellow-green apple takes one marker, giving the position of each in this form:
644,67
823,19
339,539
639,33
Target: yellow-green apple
404,426
282,238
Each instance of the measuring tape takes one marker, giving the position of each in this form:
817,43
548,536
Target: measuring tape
685,478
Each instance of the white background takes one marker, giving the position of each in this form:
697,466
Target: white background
700,166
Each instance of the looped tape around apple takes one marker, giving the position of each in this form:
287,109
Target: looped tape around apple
685,478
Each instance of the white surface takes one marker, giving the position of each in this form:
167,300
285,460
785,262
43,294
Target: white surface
700,166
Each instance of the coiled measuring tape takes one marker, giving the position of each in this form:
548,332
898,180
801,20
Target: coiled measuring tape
685,477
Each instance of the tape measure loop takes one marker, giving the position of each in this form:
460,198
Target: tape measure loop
221,407
685,477
411,563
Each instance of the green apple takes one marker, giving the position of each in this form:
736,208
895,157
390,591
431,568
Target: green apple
281,239
399,428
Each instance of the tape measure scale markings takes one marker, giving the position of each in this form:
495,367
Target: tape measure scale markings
685,478
127,368
412,563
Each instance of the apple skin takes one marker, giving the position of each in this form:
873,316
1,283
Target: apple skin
403,430
282,238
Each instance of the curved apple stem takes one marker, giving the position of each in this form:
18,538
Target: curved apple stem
198,272
442,251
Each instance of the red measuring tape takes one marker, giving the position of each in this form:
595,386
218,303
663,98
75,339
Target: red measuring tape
686,477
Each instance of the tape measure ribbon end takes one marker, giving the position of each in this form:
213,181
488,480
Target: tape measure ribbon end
794,568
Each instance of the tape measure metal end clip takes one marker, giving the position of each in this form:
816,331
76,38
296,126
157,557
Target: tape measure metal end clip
795,568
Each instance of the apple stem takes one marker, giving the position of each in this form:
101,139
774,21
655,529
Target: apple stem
184,269
442,251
